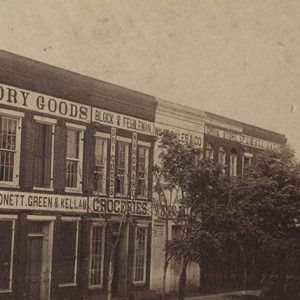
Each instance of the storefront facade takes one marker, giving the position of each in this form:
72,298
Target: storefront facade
188,125
76,157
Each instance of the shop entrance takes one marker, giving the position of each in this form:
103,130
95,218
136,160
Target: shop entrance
39,260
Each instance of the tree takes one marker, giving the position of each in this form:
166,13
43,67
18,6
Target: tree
269,195
165,201
204,197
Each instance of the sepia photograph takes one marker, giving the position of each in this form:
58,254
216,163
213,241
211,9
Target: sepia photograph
150,150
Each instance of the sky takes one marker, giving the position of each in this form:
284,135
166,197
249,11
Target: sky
239,59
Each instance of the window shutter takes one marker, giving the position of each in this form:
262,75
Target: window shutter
48,152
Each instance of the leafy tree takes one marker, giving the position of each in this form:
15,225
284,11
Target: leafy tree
269,196
204,198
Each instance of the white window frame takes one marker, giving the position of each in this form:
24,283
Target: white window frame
246,155
233,171
16,176
12,218
72,219
128,142
146,146
52,123
210,148
105,137
81,129
222,150
144,226
103,226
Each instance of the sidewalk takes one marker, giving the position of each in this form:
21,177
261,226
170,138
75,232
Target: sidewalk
228,296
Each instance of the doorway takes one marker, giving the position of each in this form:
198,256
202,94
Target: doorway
39,260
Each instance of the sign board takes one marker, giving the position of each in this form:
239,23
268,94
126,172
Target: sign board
42,202
184,136
133,164
241,138
119,206
113,119
113,144
21,98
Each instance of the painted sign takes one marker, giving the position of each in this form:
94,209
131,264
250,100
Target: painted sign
113,119
25,99
113,143
42,202
133,164
183,136
119,206
241,138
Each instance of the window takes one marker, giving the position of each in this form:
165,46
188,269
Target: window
100,165
74,161
222,156
143,162
233,163
68,251
10,141
43,152
96,256
209,153
140,254
7,230
122,168
247,160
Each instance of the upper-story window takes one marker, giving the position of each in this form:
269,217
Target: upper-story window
233,162
43,152
209,152
100,163
222,155
142,174
10,143
246,160
74,159
122,174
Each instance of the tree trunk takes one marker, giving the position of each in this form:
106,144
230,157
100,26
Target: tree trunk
166,261
111,272
182,280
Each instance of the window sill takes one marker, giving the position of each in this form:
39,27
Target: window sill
95,287
35,188
73,190
9,185
139,283
122,196
5,291
61,285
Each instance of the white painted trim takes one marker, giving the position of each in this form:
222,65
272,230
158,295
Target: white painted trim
124,139
145,144
41,218
37,188
12,113
248,155
100,285
102,135
142,282
67,284
45,120
70,219
16,169
75,126
78,188
105,162
8,217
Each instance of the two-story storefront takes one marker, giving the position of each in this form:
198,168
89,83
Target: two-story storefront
75,158
188,125
235,144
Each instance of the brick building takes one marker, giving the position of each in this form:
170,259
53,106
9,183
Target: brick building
75,153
